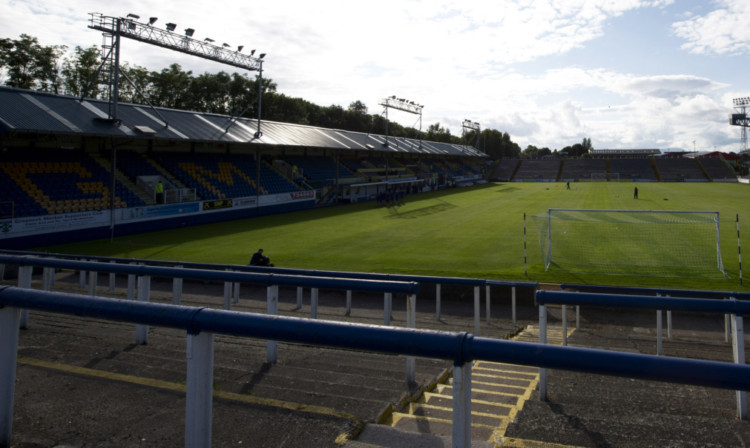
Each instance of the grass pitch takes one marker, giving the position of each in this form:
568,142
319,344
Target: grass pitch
467,232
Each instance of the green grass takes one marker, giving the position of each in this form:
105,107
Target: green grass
468,232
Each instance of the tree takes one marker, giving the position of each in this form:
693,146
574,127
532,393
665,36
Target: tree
170,87
30,65
79,70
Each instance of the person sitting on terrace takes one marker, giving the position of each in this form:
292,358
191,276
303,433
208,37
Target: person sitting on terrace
259,259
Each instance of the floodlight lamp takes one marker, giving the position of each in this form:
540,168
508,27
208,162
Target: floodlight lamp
240,48
152,20
262,55
252,52
133,16
225,45
208,39
189,32
171,26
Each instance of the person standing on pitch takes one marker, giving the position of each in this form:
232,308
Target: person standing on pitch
635,193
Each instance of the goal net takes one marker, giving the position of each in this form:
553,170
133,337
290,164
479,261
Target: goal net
631,242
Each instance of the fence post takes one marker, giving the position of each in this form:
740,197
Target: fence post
236,293
82,278
437,301
542,340
564,325
513,304
272,308
177,288
144,295
93,280
578,317
462,405
131,285
659,350
387,308
300,296
199,389
348,302
738,352
112,279
47,274
411,322
227,294
477,293
313,303
24,281
487,304
10,318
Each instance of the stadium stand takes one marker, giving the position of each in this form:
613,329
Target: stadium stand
539,170
677,169
581,169
632,169
717,169
504,170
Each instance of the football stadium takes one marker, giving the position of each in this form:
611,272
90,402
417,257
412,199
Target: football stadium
415,293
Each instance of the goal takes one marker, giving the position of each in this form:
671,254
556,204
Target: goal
631,242
602,176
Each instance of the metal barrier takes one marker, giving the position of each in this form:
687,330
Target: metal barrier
201,324
231,292
735,308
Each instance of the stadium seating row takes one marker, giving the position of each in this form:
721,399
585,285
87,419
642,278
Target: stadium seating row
668,169
71,180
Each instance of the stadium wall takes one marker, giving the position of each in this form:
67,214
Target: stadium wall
38,231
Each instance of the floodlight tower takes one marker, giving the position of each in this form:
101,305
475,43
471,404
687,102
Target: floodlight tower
114,28
740,119
471,126
403,105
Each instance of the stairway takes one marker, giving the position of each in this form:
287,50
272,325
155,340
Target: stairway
499,392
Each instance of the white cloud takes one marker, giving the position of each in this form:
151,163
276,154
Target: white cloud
724,30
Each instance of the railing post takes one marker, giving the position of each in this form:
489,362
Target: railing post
177,288
348,302
411,322
487,303
462,405
24,281
112,279
513,304
542,340
669,322
236,293
47,276
313,303
738,352
131,285
82,278
144,295
199,390
388,307
93,276
300,296
659,350
564,325
578,317
10,318
437,301
227,294
272,308
477,293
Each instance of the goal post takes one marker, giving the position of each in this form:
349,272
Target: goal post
631,242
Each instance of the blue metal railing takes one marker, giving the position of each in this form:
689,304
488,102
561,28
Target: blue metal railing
461,348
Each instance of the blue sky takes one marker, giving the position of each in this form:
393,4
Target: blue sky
625,73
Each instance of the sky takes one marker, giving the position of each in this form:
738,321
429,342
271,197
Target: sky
628,74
